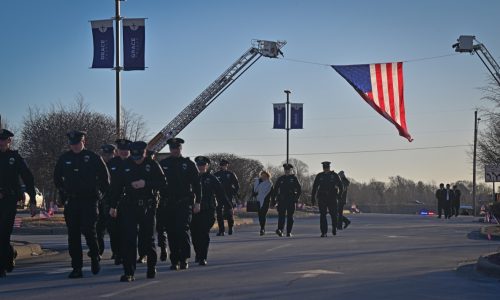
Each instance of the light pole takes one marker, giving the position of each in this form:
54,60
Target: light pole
118,68
474,208
287,123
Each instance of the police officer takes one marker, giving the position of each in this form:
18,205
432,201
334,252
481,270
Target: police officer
81,175
107,153
12,167
114,165
212,193
341,219
286,193
183,193
327,187
231,187
161,226
139,179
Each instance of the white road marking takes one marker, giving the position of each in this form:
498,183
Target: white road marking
395,236
314,273
278,247
128,290
62,270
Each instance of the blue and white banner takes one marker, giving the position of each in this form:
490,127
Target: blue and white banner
296,116
279,116
104,51
133,44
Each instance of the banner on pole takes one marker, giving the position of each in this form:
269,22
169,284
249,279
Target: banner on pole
133,44
279,116
104,51
296,116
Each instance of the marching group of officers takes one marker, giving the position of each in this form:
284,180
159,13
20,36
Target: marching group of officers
130,195
448,201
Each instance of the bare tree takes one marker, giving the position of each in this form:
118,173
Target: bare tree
133,126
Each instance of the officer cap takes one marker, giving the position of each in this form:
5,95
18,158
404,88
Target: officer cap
75,136
175,142
326,164
108,148
123,144
137,149
224,162
5,134
287,166
202,160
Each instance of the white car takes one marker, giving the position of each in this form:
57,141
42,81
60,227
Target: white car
39,199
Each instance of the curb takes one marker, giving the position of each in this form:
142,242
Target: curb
486,267
26,250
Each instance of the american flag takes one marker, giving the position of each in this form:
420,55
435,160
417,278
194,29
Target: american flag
381,86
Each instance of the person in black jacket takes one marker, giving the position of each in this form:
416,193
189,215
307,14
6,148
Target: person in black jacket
286,193
440,196
231,187
12,167
455,204
212,193
182,198
341,219
139,179
81,176
327,187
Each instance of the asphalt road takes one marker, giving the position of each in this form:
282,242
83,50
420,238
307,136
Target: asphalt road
377,257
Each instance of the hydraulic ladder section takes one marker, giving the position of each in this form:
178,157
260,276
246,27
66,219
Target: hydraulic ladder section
187,115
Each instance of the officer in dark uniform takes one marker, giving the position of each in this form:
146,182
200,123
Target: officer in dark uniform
212,193
184,191
114,165
327,187
81,176
231,187
12,167
286,193
161,217
107,153
139,179
341,219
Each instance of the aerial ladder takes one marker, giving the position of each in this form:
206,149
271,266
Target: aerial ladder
465,43
258,49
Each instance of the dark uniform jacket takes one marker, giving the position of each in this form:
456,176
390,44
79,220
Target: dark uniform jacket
183,180
81,174
229,181
327,185
343,197
287,188
13,167
129,171
212,193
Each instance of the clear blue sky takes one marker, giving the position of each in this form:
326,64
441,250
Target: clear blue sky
46,53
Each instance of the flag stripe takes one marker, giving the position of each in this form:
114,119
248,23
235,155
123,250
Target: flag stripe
395,83
380,87
384,81
401,97
390,89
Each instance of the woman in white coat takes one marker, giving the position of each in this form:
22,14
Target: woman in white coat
262,188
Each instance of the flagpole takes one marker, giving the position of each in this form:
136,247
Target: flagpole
118,68
287,123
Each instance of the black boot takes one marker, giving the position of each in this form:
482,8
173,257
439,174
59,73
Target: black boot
230,230
163,254
151,272
127,278
279,232
76,273
95,266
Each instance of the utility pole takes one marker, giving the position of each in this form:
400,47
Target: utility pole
287,123
474,208
118,68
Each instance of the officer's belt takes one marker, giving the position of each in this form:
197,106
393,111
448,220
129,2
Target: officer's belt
139,202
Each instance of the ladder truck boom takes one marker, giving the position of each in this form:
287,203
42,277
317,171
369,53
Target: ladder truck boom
215,89
465,43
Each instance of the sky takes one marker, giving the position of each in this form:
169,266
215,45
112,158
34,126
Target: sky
46,54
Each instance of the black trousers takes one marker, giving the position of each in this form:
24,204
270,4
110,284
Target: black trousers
113,227
161,224
455,207
286,209
201,224
80,215
7,216
327,205
224,212
440,208
101,226
340,215
262,214
178,220
137,222
447,208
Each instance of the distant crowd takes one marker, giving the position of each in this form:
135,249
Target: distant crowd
448,201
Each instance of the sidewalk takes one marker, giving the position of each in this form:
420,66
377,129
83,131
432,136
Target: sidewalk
489,264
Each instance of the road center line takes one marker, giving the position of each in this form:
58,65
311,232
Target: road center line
278,247
128,290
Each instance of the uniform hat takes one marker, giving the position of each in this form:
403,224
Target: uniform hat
123,144
108,148
175,142
75,136
202,160
137,149
287,166
5,134
326,164
223,162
